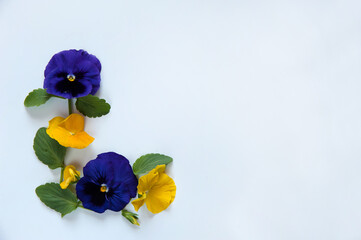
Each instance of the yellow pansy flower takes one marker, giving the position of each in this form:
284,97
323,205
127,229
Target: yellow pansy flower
71,175
156,189
69,132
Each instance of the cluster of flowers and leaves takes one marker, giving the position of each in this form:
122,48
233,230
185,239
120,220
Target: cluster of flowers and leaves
109,181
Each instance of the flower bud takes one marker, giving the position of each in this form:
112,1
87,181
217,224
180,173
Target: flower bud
132,217
71,175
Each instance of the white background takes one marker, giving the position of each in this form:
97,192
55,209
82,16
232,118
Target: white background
258,102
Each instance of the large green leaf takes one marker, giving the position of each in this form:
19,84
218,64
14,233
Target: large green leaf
53,196
48,150
92,106
147,162
36,98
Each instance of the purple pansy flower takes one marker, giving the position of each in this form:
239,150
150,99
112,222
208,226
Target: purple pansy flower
108,183
72,74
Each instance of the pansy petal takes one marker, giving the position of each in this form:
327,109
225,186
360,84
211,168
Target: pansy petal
161,195
95,61
118,198
80,140
147,181
75,89
90,195
165,184
89,72
156,204
96,171
51,81
52,65
73,123
160,168
61,60
95,82
66,139
59,134
137,203
86,68
65,61
55,122
121,171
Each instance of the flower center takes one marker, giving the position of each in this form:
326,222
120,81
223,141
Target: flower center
104,188
71,77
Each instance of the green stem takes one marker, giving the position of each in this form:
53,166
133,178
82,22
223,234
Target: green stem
51,95
61,174
81,206
70,105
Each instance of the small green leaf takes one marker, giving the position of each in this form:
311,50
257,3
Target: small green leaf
36,98
92,106
147,162
48,150
53,196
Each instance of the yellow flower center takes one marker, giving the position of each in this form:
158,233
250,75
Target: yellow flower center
104,188
71,77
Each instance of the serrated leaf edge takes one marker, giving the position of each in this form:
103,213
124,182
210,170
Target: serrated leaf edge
36,105
139,173
103,101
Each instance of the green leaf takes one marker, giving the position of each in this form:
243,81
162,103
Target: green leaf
147,162
36,98
48,150
61,200
92,106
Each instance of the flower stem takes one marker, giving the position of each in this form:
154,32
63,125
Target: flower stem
61,174
70,105
81,206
